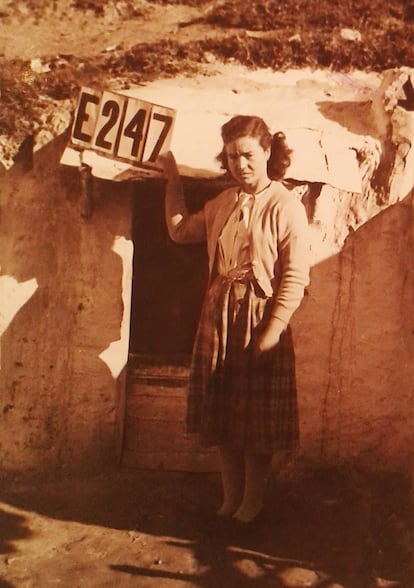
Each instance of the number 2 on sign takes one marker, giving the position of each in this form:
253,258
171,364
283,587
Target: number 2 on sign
106,129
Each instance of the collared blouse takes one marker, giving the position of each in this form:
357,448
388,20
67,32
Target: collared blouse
278,238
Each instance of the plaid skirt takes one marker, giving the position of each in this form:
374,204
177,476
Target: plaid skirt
233,399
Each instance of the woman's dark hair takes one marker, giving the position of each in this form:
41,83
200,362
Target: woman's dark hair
254,126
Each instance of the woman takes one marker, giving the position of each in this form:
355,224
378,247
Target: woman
242,393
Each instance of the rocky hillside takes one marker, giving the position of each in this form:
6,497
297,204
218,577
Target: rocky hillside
49,49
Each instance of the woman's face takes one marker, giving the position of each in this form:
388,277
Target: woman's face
247,163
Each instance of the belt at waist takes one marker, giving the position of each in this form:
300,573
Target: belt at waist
246,278
236,275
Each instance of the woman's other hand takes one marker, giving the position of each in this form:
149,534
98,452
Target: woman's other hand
269,337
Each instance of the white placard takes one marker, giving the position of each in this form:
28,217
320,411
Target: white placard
122,127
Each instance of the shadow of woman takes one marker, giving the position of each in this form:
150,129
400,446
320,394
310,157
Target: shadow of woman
12,528
307,534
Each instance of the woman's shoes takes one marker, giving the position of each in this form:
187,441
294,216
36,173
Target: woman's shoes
253,524
230,529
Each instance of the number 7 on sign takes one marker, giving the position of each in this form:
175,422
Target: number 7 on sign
159,134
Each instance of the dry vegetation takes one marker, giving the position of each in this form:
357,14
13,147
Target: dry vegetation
278,35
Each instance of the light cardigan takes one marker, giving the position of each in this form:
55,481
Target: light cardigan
279,238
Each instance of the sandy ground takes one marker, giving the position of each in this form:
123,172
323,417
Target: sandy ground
66,31
155,529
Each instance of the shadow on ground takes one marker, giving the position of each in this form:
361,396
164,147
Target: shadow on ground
335,525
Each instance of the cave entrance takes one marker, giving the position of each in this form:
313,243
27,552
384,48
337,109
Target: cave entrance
169,282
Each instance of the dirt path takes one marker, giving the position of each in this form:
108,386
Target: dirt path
67,31
155,530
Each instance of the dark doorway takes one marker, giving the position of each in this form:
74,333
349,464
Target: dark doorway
169,279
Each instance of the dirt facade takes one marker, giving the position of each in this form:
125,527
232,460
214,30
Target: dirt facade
65,342
59,400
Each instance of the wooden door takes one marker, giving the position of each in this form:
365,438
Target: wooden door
169,282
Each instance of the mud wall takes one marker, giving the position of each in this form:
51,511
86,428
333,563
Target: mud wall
59,399
65,286
355,347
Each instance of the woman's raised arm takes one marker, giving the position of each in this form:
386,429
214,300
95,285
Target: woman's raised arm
183,227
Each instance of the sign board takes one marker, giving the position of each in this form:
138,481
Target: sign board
121,127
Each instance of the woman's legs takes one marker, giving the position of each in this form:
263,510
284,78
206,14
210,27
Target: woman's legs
244,480
257,470
232,477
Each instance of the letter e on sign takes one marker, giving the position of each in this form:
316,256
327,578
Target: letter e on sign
159,134
85,117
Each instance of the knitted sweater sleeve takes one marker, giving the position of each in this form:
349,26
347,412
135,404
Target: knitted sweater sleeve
182,226
293,262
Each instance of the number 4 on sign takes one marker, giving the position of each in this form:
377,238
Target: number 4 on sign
133,131
159,134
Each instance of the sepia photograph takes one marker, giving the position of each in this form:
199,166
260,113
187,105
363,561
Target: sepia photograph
206,294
